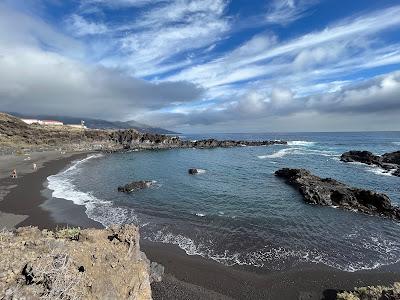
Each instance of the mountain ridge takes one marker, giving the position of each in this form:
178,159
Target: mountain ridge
94,123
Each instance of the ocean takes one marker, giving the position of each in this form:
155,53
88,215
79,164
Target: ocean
236,211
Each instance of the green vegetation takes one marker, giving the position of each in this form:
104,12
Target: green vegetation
71,233
372,293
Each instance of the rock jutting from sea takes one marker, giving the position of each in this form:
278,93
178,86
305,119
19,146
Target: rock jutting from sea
135,186
388,161
330,192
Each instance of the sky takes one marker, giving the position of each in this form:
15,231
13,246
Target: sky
201,66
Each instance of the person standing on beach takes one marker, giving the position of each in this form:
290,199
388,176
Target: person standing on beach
34,167
14,174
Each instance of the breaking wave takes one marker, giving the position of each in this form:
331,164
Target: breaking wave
298,151
278,258
300,143
100,210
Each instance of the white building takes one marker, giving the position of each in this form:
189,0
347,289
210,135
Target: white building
31,121
43,122
52,122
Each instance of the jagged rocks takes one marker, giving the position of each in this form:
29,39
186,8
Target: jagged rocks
388,161
101,264
330,192
364,157
135,185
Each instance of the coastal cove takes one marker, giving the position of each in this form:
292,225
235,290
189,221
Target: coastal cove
72,192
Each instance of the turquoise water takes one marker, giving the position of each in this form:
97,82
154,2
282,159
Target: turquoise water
237,212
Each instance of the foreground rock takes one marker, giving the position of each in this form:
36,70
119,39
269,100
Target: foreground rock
135,186
388,161
74,264
329,192
372,293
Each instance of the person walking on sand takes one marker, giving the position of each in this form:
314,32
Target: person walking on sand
34,167
14,174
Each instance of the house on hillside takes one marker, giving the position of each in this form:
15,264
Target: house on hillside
43,122
52,122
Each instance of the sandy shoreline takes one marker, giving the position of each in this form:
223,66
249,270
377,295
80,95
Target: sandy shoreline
20,198
187,277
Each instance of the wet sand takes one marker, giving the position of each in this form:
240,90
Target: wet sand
187,277
193,275
21,198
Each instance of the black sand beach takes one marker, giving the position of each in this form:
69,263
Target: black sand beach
190,277
26,197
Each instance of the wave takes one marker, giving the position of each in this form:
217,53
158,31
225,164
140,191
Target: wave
298,151
396,143
100,210
300,143
278,258
373,169
200,214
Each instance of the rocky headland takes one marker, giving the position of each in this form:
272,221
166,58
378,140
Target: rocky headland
388,161
75,264
330,192
16,135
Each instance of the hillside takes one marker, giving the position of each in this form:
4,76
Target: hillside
98,123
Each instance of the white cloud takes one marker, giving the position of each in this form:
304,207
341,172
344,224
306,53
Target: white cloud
377,96
80,26
287,11
118,3
38,77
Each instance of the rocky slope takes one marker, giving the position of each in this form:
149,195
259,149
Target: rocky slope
372,293
75,264
388,161
329,192
15,134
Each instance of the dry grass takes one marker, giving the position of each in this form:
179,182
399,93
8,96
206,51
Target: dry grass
370,292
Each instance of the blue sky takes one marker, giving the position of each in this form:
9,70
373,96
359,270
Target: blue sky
205,65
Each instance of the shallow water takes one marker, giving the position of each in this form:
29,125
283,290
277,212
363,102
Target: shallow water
237,211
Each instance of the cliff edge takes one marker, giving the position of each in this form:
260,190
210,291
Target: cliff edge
74,264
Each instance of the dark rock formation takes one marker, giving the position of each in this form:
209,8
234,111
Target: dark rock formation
134,186
391,158
329,192
193,171
15,134
388,161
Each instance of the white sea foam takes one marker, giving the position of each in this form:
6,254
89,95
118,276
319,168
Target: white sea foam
201,171
373,169
102,211
298,151
380,171
396,143
300,143
200,214
276,257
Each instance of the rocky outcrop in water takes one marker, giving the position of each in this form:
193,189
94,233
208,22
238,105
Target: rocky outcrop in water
330,192
74,264
135,186
388,161
193,171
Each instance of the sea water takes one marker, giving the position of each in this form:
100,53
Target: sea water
236,211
